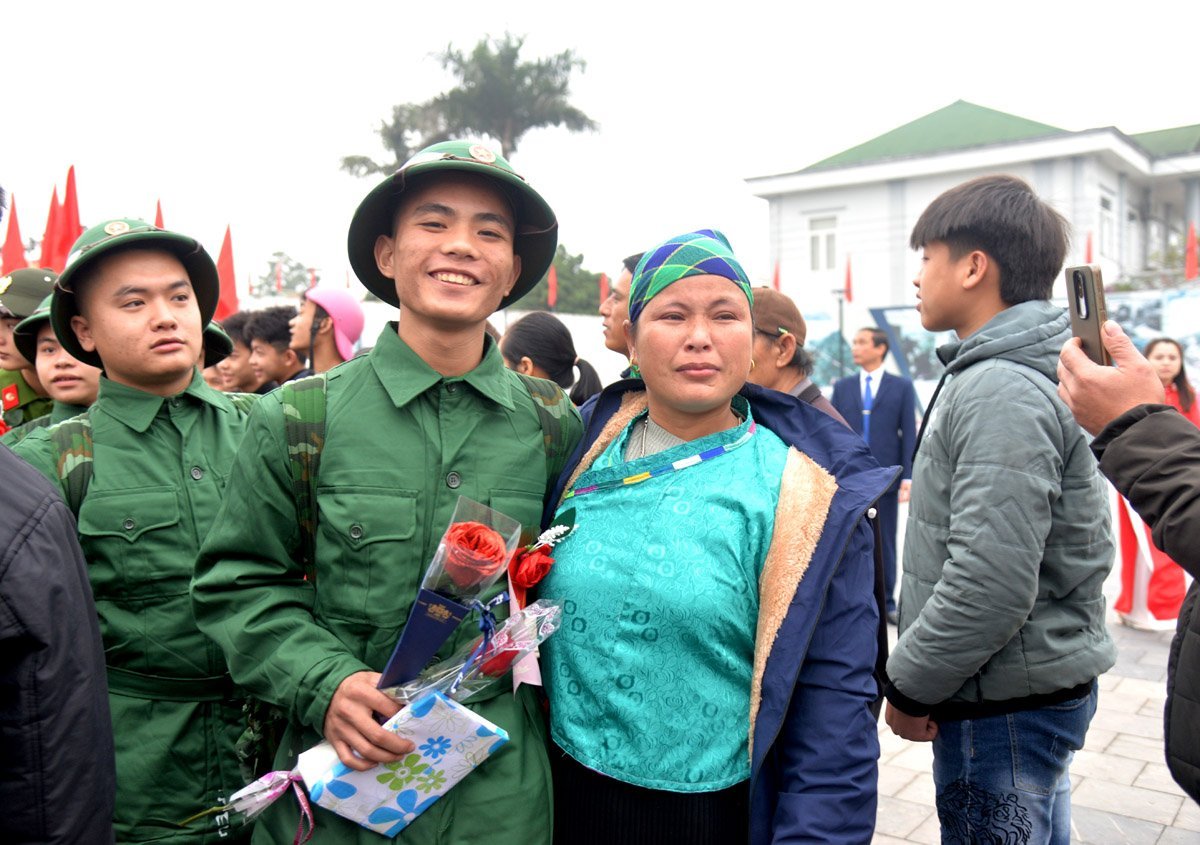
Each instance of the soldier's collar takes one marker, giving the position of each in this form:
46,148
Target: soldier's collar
136,409
405,375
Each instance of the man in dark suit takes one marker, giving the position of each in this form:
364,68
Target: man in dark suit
882,408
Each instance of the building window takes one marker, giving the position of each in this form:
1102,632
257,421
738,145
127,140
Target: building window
822,242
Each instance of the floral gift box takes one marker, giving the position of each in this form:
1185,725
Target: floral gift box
450,742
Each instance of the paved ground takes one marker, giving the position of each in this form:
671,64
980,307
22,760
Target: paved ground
1121,791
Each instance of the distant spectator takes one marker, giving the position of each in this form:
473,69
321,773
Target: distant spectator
270,336
330,322
615,308
539,344
240,376
780,360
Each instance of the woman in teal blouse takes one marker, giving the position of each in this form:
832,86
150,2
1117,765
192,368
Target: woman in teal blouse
681,573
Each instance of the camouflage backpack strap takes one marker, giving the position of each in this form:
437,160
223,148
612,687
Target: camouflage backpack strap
304,429
551,404
73,458
244,402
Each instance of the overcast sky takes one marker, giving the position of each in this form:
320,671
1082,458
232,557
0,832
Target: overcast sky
238,113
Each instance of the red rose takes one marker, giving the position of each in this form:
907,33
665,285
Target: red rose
527,569
498,663
473,553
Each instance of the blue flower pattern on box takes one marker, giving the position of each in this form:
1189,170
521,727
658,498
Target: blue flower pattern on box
435,747
451,741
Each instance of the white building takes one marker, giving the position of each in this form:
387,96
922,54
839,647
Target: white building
1131,195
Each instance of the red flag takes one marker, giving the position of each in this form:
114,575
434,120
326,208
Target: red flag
278,276
603,288
228,303
50,235
552,294
1087,250
69,226
849,292
1191,260
158,221
775,278
13,256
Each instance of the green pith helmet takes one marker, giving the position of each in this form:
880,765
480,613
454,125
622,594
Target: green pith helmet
537,227
22,290
111,235
217,344
26,332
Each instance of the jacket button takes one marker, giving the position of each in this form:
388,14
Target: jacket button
453,480
871,513
128,524
356,532
197,473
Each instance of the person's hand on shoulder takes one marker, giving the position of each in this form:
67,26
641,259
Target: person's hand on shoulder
1098,395
351,728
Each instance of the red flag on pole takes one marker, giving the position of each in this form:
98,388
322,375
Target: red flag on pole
13,256
278,276
775,278
70,227
50,235
849,292
158,221
1087,250
228,303
552,293
603,288
1191,260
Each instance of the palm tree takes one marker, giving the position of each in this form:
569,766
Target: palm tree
498,96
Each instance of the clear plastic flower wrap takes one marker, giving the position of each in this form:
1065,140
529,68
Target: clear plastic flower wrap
473,553
480,663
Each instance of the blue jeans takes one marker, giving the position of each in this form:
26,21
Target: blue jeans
1003,779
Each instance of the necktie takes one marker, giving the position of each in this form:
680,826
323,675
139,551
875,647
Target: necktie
867,402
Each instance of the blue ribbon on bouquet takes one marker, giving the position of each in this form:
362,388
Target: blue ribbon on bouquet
487,625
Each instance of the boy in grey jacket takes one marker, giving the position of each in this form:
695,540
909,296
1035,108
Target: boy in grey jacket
1008,543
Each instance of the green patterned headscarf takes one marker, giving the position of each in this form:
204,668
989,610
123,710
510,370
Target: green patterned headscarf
705,252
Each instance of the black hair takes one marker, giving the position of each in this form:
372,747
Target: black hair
1001,216
271,326
878,338
632,261
1187,396
546,341
235,326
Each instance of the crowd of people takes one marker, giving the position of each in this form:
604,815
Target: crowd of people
209,530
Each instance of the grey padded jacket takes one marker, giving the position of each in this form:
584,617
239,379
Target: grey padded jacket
1008,541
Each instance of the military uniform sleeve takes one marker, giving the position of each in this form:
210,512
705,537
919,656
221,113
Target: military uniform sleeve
1007,470
37,450
249,593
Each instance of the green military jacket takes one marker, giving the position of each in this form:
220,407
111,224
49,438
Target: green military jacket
403,443
159,472
19,401
59,412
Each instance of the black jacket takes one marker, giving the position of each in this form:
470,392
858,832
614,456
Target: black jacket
1152,455
56,745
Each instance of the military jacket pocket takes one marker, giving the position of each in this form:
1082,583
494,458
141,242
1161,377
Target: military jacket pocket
367,563
133,534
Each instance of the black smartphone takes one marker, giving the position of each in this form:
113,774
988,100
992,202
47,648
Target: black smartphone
1085,297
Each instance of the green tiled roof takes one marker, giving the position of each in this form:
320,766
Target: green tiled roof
1169,142
957,126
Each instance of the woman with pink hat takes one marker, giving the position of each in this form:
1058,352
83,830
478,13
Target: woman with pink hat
327,327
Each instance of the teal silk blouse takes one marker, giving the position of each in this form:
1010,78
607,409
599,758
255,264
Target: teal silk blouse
649,675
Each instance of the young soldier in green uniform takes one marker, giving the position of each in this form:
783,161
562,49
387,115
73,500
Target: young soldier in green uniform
431,413
72,384
22,397
133,300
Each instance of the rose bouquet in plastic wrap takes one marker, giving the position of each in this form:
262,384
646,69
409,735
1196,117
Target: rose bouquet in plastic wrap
469,560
